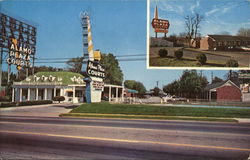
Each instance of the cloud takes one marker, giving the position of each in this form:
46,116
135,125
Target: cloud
222,9
171,7
193,7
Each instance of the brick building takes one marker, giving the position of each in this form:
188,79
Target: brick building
224,91
223,42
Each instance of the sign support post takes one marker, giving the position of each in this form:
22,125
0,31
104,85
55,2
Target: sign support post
93,71
1,62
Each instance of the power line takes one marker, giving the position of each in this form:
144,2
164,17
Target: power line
128,55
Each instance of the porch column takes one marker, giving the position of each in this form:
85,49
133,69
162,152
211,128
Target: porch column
116,94
54,92
45,93
122,94
21,94
209,96
13,94
109,93
37,94
28,96
74,93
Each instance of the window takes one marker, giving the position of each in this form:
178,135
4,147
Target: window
70,93
79,93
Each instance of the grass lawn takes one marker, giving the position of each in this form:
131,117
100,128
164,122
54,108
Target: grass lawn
151,110
184,62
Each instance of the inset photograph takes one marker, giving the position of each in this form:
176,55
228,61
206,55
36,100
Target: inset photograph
199,34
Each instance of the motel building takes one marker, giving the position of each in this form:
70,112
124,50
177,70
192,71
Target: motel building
46,85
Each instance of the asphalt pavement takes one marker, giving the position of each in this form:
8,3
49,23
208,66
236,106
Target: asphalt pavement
24,137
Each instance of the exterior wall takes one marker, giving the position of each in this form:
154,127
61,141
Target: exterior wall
204,43
32,94
246,97
228,93
160,42
2,91
49,94
207,43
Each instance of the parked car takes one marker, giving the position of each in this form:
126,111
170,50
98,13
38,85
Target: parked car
170,98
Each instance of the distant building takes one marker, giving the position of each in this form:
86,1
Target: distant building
223,42
245,86
2,91
228,91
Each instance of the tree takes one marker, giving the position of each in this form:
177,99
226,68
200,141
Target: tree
75,64
217,79
244,32
231,75
156,91
131,84
113,71
190,85
192,24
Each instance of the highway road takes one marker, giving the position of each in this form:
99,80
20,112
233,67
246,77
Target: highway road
24,137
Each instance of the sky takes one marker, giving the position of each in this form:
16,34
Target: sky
219,15
118,27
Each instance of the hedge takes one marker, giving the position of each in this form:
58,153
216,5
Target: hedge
25,103
232,63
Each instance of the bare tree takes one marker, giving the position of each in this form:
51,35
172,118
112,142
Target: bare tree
192,23
244,32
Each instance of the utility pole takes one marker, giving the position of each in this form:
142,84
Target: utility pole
212,77
33,65
1,62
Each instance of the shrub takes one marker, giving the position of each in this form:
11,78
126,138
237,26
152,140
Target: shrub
27,103
163,53
178,54
201,57
58,98
232,63
4,98
8,104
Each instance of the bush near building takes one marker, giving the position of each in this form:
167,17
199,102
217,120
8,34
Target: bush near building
202,59
232,63
163,53
58,98
178,54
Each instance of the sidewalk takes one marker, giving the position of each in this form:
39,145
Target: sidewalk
46,110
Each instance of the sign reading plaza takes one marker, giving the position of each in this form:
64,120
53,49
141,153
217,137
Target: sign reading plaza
95,69
18,39
19,55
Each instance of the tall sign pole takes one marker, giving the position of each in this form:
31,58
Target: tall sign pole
93,71
160,25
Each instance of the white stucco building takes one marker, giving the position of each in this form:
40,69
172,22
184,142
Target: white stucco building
46,85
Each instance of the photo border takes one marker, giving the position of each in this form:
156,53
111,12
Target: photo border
182,68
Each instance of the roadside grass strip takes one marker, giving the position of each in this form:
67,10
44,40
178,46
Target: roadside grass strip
120,116
140,111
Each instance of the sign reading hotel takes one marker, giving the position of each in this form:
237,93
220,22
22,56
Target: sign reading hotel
18,39
159,25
